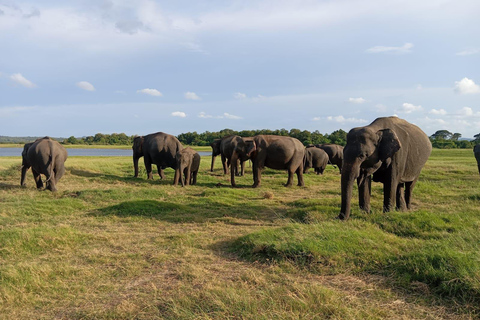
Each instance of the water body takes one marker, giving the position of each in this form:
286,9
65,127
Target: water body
17,152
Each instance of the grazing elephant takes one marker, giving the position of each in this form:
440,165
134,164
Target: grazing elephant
391,149
476,151
156,148
188,163
275,152
315,158
335,153
47,157
224,147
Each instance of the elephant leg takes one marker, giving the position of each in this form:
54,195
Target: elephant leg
389,193
148,167
408,192
401,204
59,171
299,173
50,182
194,177
364,192
290,177
339,165
224,164
161,173
242,165
37,178
257,175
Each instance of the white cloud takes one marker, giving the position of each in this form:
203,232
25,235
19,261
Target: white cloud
440,112
468,52
406,48
231,116
466,112
356,100
179,114
203,115
151,92
85,86
21,80
409,108
239,95
192,96
342,119
466,86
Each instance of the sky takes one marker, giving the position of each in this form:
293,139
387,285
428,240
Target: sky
81,67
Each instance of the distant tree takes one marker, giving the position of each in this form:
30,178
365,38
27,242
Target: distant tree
338,137
442,135
456,136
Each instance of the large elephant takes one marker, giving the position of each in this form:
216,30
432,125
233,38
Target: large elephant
315,158
215,152
46,156
391,149
476,151
335,153
188,163
156,148
224,147
275,152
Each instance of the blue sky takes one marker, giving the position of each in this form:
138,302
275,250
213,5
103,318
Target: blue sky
84,67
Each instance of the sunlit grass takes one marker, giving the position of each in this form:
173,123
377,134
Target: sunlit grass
110,246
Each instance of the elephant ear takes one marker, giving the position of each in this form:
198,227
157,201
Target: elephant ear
389,144
251,148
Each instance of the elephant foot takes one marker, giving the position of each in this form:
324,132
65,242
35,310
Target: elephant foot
255,185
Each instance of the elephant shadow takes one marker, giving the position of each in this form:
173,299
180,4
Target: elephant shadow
184,213
6,186
112,177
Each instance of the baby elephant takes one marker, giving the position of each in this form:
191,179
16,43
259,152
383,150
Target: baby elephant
47,157
315,158
188,163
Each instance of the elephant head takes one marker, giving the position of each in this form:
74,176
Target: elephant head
137,152
365,152
25,163
215,151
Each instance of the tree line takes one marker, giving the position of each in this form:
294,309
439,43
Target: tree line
444,139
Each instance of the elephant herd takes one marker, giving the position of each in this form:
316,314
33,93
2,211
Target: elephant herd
390,150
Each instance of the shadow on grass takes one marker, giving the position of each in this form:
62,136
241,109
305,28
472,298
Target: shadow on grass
7,186
184,213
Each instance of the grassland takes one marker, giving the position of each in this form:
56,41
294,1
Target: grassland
109,246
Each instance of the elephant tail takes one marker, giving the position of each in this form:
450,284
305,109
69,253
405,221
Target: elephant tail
50,162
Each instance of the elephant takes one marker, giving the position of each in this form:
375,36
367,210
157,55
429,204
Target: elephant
224,147
315,158
335,153
275,152
391,149
188,163
46,156
476,151
156,148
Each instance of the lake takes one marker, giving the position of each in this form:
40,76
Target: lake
17,152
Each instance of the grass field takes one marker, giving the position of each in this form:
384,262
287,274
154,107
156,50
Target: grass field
110,246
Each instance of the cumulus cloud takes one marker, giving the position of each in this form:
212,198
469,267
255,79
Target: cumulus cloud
239,95
409,108
203,115
192,96
179,114
466,112
468,52
466,86
85,86
406,48
356,100
440,112
21,80
341,119
151,92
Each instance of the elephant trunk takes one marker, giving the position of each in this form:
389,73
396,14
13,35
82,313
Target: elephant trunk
213,162
233,164
349,174
135,165
178,175
24,173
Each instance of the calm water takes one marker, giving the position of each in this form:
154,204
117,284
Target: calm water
14,152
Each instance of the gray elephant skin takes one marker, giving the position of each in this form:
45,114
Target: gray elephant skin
188,163
45,156
476,151
275,152
225,147
156,148
335,153
391,149
315,158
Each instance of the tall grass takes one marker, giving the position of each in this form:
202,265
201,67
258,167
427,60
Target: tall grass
110,246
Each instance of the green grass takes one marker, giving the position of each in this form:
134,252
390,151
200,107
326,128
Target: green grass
110,246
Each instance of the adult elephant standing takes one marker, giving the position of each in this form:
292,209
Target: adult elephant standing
391,149
46,156
275,152
215,152
476,151
335,153
156,148
225,147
